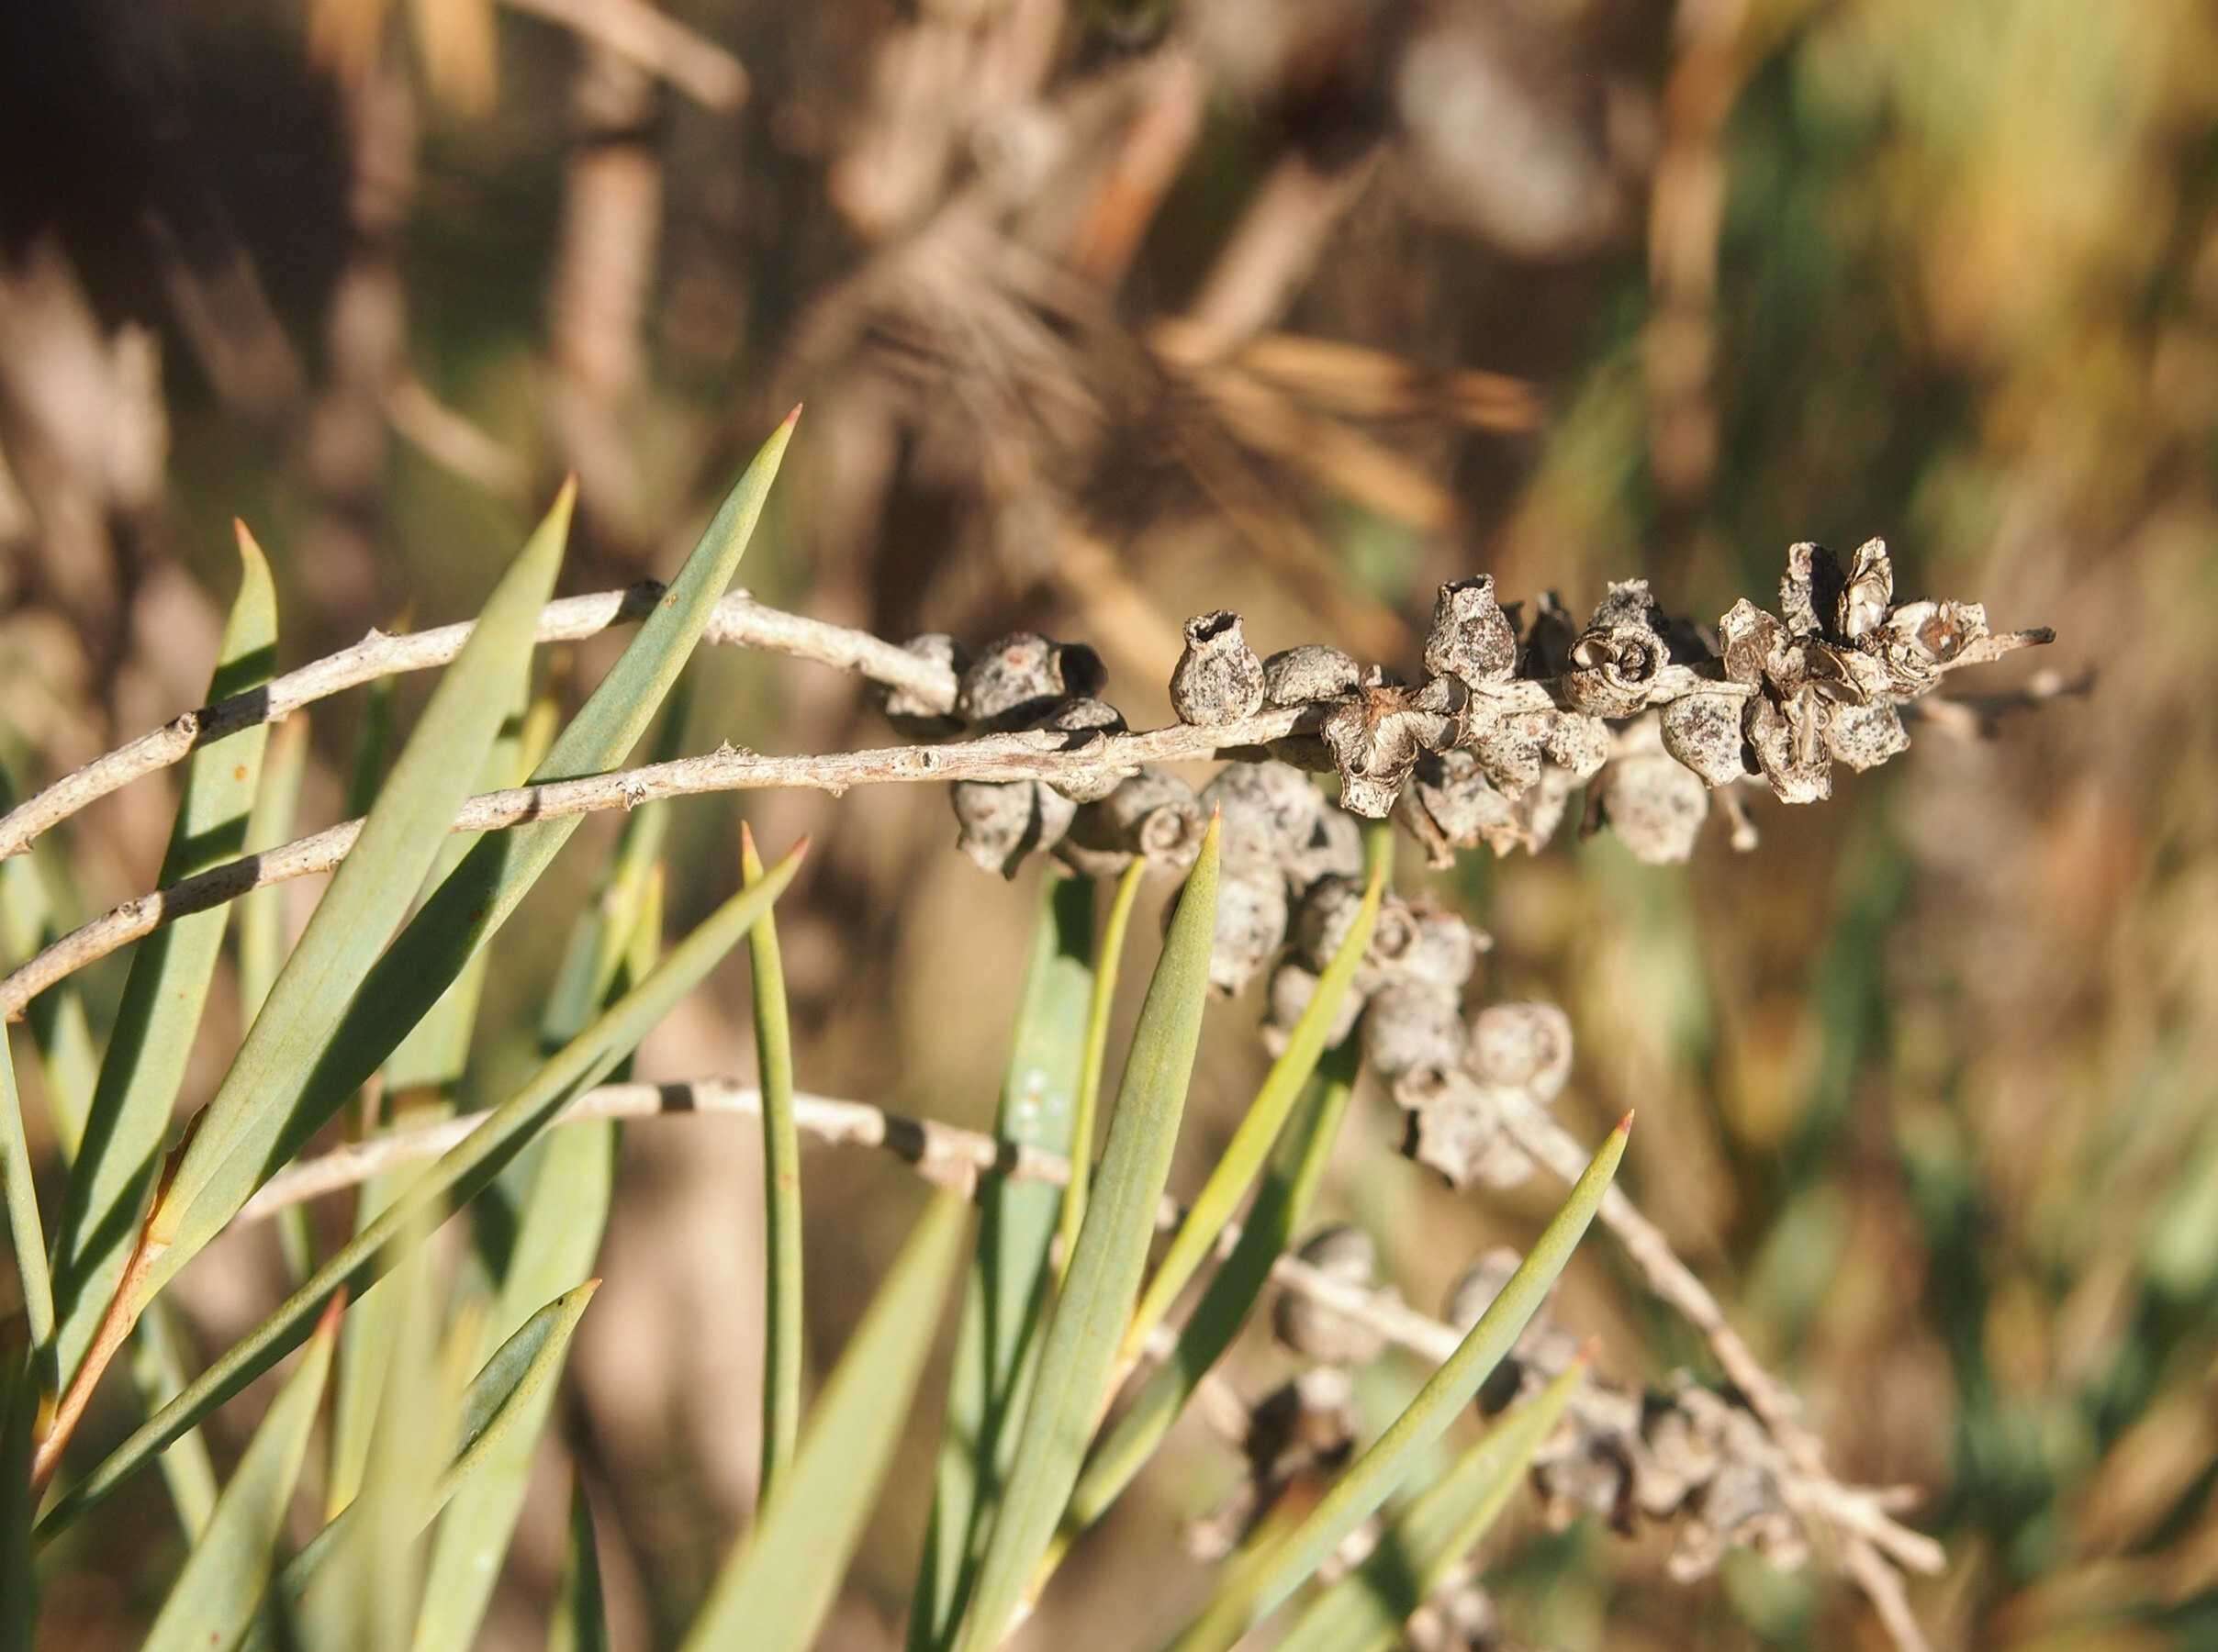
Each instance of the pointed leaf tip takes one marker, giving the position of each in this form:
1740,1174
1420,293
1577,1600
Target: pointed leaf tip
1625,1123
792,418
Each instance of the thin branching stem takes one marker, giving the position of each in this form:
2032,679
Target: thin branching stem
949,1156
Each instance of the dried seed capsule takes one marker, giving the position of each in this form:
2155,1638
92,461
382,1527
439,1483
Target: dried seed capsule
1522,1046
1000,824
1270,812
1086,716
1451,804
1292,985
1921,640
1411,1027
1810,590
1251,925
1455,1127
1327,912
1587,1467
1334,848
1217,679
1545,644
1703,731
1578,744
1655,805
1315,671
1322,1333
1790,746
915,716
1869,593
1617,658
1152,813
1510,748
1022,676
1376,739
1471,638
1865,736
1751,641
1443,949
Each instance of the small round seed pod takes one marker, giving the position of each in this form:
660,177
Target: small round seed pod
1451,804
1788,741
1865,736
1413,1027
1655,805
1086,716
1293,986
1375,739
1327,914
1217,679
1521,1046
1333,849
1703,731
1000,824
1577,743
1022,678
1455,1127
1471,638
915,716
1322,1333
1443,949
1615,663
1152,813
1270,809
1251,925
1313,672
1511,748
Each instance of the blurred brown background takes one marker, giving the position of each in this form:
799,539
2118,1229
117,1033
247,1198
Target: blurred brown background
1104,316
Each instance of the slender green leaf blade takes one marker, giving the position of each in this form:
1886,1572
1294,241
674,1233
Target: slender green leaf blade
1104,1278
478,896
1243,1156
1006,1293
214,1600
783,1327
1278,1213
25,1232
498,1399
229,1153
34,914
581,1620
1257,1586
456,1177
1364,1610
166,991
1096,1055
774,1591
269,823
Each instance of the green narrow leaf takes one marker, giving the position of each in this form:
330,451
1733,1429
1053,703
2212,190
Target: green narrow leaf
365,1595
1280,1206
1096,1057
421,1078
480,893
1104,1278
581,1621
1243,1156
783,1327
214,1600
260,930
454,1178
1258,1584
158,1370
228,1152
165,993
773,1592
1365,1611
527,1365
269,823
32,917
25,1233
557,1235
997,1342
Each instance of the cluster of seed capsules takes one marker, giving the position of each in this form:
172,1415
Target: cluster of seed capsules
1682,1456
1513,713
